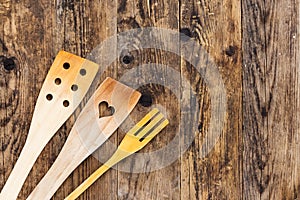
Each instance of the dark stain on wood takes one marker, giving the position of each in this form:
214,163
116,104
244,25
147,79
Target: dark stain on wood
146,100
130,20
187,32
231,50
142,9
4,48
200,126
9,63
122,6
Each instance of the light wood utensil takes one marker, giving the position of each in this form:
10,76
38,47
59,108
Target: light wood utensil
88,134
67,82
134,140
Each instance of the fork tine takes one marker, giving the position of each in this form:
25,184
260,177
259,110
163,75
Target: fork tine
153,133
151,125
143,121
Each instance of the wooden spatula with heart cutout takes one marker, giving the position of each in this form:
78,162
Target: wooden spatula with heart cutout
88,133
67,82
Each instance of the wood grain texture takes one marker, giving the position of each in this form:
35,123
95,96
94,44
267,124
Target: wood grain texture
254,44
216,25
164,183
271,165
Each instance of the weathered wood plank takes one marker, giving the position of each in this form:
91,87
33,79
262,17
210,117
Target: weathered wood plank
164,183
86,24
216,26
271,165
26,77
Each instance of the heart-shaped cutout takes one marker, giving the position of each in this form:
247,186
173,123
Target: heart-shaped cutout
105,110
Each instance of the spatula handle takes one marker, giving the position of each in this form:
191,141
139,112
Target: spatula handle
20,171
72,154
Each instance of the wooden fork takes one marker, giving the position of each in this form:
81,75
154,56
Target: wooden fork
140,135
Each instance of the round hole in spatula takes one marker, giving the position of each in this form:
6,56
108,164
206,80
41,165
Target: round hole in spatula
105,110
66,103
66,65
57,81
49,97
82,72
74,87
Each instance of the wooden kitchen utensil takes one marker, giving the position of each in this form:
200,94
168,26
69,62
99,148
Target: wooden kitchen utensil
140,135
88,134
67,82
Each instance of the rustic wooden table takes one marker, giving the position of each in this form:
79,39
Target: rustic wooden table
254,44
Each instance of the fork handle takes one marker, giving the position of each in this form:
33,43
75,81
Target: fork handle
116,157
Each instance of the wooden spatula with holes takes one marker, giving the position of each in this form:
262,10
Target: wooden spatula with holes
67,82
88,134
